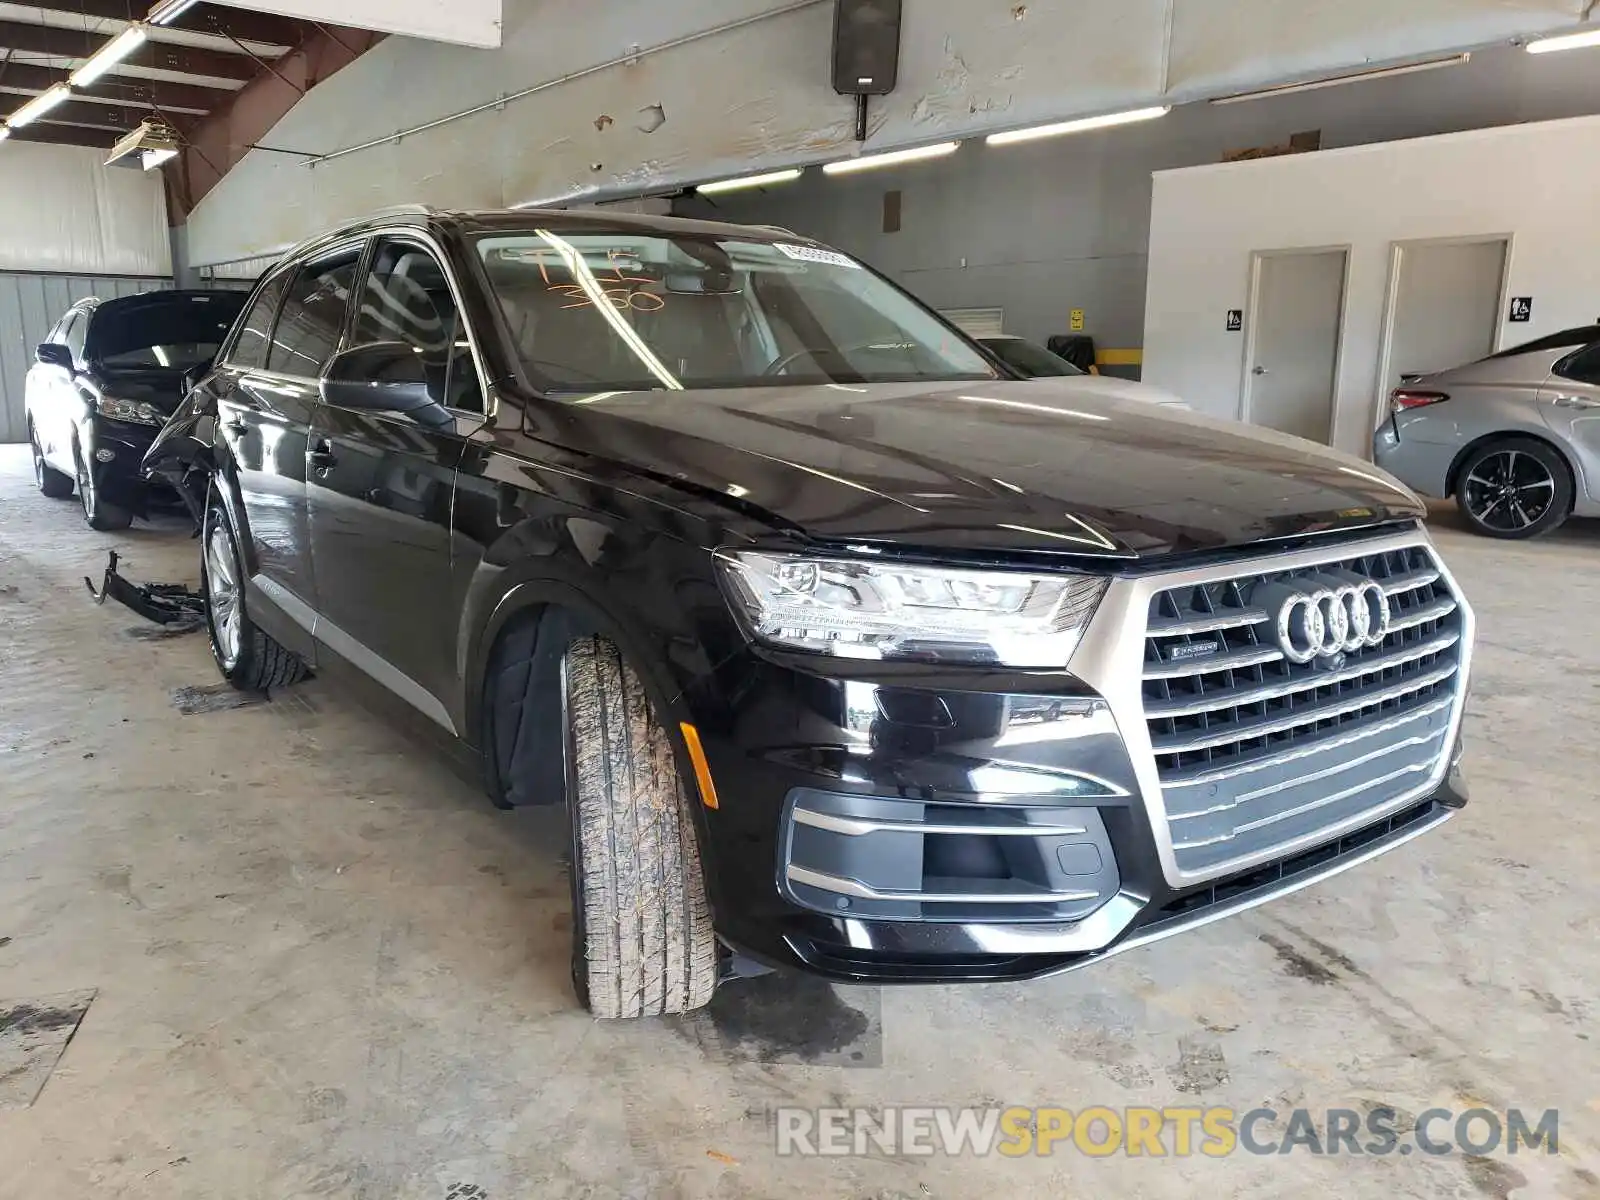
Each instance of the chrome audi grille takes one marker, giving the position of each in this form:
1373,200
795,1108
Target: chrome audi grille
1256,751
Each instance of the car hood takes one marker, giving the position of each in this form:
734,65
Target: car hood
160,387
1063,466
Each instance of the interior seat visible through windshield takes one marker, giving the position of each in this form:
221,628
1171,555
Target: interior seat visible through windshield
627,310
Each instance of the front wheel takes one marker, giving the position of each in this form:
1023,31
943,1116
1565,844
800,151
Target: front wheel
247,657
53,483
642,937
99,512
1514,488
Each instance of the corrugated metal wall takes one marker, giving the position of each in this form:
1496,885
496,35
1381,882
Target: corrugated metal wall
30,305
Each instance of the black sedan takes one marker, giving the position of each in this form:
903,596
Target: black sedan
107,378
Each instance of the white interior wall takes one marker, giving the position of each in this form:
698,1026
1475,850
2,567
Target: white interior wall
1538,183
63,211
467,22
705,88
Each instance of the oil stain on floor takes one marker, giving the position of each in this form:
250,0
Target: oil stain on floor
786,1018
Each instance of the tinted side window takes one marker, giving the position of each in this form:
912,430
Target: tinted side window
313,315
1584,366
407,298
250,350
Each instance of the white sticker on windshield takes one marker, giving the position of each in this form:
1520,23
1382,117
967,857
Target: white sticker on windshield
817,255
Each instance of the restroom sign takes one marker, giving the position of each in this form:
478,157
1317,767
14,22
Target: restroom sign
1521,310
1235,320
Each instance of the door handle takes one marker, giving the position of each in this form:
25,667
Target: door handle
322,457
1259,371
1575,402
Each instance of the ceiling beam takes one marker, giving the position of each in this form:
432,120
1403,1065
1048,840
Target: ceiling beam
212,144
73,43
203,18
120,117
67,135
125,89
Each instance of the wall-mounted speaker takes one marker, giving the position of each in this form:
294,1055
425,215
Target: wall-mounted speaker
866,47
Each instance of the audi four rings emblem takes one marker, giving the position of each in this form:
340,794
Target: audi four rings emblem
1332,620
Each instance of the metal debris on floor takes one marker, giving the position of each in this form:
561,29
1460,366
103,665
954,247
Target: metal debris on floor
217,697
178,609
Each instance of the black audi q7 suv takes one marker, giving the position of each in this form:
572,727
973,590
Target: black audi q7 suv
845,650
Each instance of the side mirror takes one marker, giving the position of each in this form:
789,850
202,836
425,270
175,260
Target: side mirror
54,354
385,376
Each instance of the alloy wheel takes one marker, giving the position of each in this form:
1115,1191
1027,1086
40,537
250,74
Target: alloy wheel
38,459
86,489
1510,490
222,590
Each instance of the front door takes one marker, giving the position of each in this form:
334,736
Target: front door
1299,301
1570,403
381,486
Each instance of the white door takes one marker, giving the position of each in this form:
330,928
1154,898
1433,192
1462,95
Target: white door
1447,306
1299,299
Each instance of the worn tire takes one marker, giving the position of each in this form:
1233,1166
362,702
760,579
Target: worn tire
642,938
262,664
57,485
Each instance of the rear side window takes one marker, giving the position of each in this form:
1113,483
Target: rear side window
313,315
250,350
1583,367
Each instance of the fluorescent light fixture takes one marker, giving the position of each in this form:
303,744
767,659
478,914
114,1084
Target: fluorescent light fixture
872,161
109,55
1289,89
1083,125
154,142
169,11
38,106
749,181
1570,41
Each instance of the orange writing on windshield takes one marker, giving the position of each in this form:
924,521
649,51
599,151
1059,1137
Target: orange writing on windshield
615,284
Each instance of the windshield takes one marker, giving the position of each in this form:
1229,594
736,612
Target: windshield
624,311
1028,360
170,333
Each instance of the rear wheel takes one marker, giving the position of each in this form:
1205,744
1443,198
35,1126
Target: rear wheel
53,483
247,657
1514,488
642,938
99,512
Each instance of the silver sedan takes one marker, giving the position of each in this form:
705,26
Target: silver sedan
1515,437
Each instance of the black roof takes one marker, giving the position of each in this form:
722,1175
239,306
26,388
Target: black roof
474,221
1567,339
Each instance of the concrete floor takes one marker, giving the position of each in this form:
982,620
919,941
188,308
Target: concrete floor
322,965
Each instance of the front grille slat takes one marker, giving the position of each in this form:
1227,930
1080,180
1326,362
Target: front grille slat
1238,730
1254,750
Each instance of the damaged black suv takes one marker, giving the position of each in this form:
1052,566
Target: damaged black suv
846,650
107,376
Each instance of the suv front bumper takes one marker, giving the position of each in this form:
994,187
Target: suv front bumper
911,823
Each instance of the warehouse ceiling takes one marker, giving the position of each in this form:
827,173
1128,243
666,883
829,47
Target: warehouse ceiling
190,72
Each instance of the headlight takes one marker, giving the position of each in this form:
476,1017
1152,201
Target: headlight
139,413
886,610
